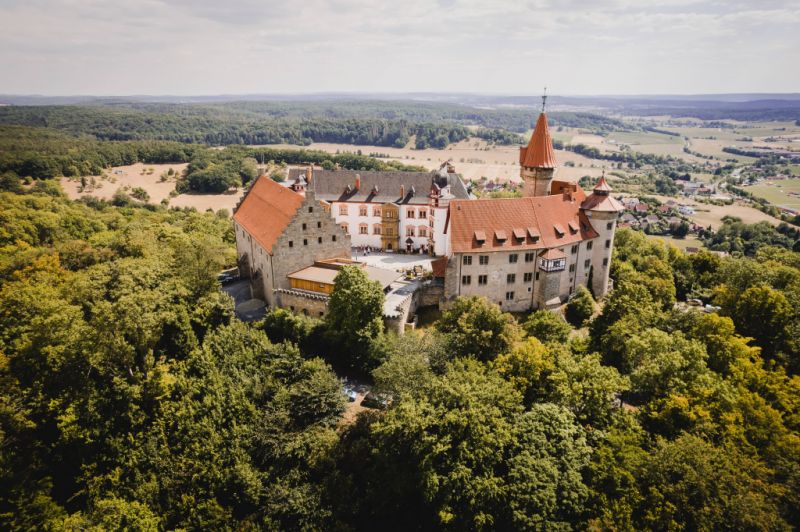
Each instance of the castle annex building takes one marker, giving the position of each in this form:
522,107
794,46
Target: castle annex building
532,252
387,211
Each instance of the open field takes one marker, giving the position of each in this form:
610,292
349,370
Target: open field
473,159
680,243
129,177
778,192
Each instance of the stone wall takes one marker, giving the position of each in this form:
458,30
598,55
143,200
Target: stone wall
301,302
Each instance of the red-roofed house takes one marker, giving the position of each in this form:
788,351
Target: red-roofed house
280,231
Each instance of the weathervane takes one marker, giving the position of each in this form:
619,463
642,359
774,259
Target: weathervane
544,98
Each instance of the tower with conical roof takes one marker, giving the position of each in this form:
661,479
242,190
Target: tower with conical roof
537,160
602,210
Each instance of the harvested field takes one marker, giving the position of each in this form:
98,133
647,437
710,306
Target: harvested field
147,177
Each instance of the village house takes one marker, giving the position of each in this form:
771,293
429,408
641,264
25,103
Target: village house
532,252
386,211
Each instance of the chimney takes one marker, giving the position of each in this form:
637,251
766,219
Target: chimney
358,182
402,191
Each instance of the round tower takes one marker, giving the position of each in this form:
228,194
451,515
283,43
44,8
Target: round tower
602,211
537,160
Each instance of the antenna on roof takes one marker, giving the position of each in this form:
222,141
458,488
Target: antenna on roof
544,99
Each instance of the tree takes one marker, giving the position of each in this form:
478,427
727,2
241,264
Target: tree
354,318
477,328
763,314
547,326
580,307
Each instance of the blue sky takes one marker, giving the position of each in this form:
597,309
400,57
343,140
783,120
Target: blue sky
264,46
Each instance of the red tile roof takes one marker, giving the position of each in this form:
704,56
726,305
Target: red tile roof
266,210
539,152
540,215
602,185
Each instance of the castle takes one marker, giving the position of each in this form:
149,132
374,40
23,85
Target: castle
534,251
522,253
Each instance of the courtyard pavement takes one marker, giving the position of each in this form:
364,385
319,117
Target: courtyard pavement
395,261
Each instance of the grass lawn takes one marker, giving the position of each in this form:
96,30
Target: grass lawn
778,192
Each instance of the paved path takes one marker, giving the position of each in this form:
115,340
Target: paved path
395,261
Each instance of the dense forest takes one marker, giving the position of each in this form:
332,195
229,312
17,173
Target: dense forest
131,397
374,123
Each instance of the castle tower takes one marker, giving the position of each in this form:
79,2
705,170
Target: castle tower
602,211
537,160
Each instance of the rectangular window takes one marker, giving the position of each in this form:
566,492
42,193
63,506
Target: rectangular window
409,231
467,261
319,225
483,260
362,211
319,240
311,209
363,230
608,244
571,268
529,257
376,230
483,279
423,231
304,227
590,244
605,262
466,279
291,244
574,249
509,296
586,263
342,209
305,241
376,211
333,238
537,276
528,277
609,225
512,259
410,213
511,278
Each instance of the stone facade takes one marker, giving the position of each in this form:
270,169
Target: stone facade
311,235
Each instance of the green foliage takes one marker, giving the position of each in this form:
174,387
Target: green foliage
477,328
580,307
355,319
549,327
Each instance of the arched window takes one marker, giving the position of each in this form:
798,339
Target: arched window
423,231
343,210
344,228
376,229
409,231
410,213
363,229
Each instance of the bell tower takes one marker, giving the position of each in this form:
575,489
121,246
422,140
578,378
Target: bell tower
537,160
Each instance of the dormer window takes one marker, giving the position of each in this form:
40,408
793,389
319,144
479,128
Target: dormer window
559,230
533,233
480,237
519,234
573,227
500,235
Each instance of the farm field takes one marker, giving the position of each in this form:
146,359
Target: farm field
129,177
471,158
778,192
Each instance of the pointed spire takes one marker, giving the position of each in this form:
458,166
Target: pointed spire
544,99
539,152
602,185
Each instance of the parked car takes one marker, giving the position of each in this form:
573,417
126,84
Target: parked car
227,277
376,400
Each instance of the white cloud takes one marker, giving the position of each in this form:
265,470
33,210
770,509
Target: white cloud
262,46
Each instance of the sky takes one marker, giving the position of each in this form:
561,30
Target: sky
574,47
